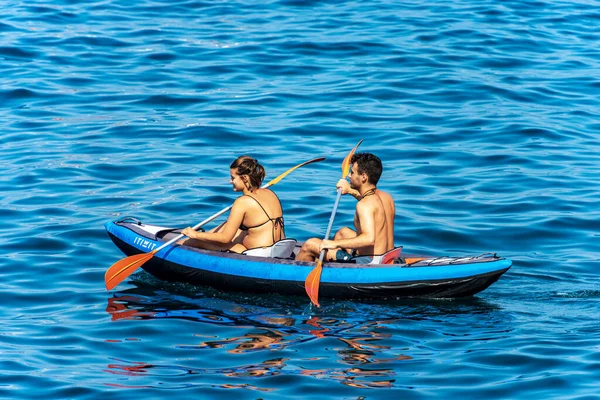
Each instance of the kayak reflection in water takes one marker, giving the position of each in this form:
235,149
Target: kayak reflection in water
255,220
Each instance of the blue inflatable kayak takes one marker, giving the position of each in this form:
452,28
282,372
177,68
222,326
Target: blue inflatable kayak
408,276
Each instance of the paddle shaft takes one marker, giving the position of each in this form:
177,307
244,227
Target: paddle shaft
335,207
206,221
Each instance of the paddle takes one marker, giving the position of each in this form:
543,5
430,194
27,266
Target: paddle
311,285
125,267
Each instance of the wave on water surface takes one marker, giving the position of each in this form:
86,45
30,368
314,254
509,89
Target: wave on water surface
485,117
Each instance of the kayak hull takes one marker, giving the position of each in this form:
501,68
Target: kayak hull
436,277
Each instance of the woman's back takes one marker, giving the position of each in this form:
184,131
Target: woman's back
255,219
263,219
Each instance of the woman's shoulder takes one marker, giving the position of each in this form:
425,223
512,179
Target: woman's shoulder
244,201
265,190
266,193
268,198
260,196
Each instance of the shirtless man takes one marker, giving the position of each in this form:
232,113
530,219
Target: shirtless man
373,221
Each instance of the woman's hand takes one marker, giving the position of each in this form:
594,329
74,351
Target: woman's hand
189,232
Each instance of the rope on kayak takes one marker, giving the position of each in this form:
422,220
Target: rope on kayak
446,260
129,219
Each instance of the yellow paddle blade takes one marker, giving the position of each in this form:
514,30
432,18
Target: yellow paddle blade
346,163
286,173
125,267
311,285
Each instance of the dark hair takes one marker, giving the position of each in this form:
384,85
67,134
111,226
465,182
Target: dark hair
245,165
369,164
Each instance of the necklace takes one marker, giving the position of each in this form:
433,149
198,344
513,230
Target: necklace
368,193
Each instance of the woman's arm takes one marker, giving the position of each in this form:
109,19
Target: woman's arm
230,227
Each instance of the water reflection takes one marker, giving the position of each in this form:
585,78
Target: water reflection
268,339
269,367
354,376
118,308
361,345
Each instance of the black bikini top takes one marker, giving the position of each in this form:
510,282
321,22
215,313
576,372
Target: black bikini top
276,221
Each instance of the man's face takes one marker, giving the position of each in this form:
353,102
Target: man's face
354,176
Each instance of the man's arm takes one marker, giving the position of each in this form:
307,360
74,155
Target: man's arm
366,216
346,189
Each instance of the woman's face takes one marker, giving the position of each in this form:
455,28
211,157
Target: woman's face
236,180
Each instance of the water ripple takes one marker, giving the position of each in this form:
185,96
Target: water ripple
485,116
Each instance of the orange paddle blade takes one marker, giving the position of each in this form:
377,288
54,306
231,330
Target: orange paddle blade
125,267
346,163
313,280
413,260
311,285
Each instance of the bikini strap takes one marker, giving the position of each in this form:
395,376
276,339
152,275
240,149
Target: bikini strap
258,202
276,221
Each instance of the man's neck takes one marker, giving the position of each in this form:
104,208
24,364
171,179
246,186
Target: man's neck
366,189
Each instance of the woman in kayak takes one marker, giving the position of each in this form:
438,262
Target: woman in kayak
255,220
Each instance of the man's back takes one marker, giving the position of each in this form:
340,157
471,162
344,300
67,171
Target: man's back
390,214
371,218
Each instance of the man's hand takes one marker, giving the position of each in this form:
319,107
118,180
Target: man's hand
344,185
189,232
327,244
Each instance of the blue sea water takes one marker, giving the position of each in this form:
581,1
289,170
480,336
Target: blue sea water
486,115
